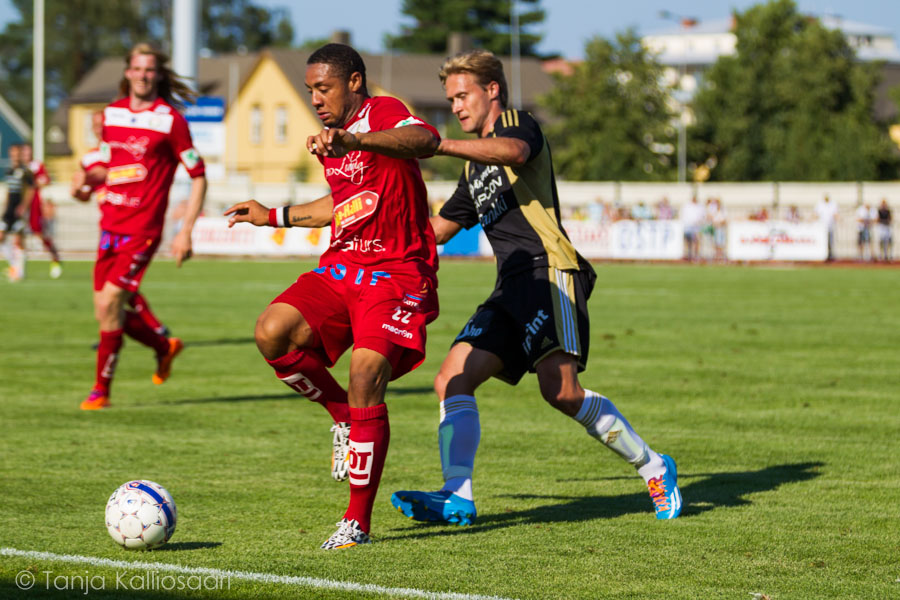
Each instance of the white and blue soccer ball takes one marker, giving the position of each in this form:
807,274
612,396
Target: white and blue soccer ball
141,515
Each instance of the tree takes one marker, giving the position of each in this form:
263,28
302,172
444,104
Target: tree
81,32
486,21
792,103
613,120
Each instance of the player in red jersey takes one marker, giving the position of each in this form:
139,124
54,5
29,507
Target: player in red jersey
36,221
144,138
82,191
375,288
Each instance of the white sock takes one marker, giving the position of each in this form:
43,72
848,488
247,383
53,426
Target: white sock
604,422
458,437
8,251
19,261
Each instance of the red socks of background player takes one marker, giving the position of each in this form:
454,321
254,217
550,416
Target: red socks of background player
135,327
107,355
370,434
140,306
305,373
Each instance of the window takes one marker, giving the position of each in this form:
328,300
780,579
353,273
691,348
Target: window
256,123
281,124
90,139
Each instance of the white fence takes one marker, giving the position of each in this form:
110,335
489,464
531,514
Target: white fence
76,223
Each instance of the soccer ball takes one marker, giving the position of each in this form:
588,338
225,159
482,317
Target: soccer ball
141,514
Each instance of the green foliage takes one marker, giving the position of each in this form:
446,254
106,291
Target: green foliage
612,121
486,21
774,389
792,104
81,32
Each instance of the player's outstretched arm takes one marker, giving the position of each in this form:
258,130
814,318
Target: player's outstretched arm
501,151
317,213
444,229
410,141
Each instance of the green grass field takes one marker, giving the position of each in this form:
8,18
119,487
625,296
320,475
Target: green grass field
775,389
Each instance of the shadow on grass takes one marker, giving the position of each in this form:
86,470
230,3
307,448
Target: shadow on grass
708,492
178,546
220,342
250,398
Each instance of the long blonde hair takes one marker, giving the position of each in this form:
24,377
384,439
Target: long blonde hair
172,88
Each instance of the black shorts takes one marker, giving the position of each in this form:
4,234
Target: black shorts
530,315
12,223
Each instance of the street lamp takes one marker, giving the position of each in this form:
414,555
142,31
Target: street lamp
682,97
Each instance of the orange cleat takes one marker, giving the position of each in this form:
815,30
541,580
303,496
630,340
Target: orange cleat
164,363
96,400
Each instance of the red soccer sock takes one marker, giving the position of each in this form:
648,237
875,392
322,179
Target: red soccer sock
142,309
51,247
370,434
136,328
107,356
305,373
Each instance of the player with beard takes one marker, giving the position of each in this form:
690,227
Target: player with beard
375,287
144,139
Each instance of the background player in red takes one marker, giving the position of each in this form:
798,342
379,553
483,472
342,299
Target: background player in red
83,191
144,139
375,288
37,222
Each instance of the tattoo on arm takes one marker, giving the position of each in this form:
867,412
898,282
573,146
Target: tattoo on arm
300,219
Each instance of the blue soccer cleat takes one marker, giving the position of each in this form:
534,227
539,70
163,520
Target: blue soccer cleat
664,491
435,506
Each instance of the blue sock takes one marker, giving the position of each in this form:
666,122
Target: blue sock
458,437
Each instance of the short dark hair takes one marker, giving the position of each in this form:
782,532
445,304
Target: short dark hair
342,58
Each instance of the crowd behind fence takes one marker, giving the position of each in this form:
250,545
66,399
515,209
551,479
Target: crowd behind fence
589,209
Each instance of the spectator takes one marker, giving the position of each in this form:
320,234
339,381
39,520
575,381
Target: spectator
718,221
692,217
885,237
664,210
793,214
761,215
641,212
826,212
865,216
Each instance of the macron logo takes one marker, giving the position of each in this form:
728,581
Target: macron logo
397,331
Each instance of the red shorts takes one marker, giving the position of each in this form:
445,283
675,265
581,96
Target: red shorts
123,260
353,306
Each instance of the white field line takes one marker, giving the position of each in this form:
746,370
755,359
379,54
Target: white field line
312,582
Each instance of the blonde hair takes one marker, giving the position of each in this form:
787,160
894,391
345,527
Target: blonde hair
171,87
484,65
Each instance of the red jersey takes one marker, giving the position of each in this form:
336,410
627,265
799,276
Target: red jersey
380,212
143,149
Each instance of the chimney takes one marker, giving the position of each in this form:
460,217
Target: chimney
458,42
340,36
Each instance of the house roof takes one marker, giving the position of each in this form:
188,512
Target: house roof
413,77
14,120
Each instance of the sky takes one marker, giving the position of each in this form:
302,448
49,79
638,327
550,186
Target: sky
569,23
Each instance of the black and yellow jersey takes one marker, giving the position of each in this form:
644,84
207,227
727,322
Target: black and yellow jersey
518,208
